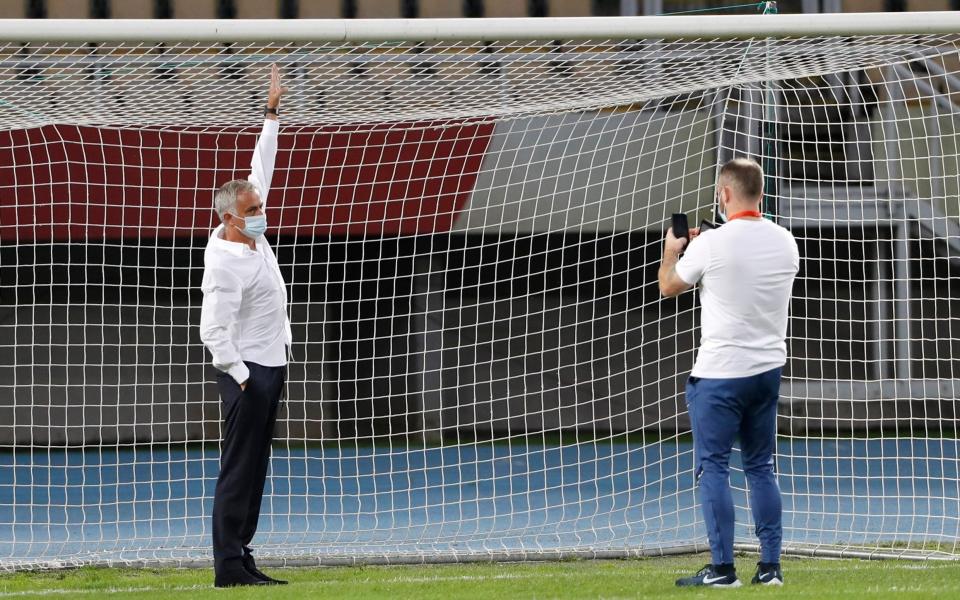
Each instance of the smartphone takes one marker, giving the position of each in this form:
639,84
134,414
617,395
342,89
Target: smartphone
706,225
680,227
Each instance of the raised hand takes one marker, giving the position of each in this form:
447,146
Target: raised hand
276,90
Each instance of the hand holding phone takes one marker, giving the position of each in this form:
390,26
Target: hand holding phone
680,227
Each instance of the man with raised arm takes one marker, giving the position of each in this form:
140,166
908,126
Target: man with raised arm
244,325
745,270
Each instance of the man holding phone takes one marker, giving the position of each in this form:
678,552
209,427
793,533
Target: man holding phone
745,270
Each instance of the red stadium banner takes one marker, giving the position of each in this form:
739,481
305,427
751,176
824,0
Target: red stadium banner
78,183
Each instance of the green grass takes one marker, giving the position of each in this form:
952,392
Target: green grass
644,578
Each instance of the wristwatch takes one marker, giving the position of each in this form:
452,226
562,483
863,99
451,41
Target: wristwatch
271,111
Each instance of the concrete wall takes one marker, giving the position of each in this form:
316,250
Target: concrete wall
457,336
590,171
451,335
920,154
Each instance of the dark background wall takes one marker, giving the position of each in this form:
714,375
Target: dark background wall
405,336
438,336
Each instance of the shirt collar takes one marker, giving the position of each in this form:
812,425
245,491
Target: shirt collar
235,248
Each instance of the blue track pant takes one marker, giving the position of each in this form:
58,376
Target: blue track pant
720,411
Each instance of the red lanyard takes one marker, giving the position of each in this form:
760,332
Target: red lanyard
744,213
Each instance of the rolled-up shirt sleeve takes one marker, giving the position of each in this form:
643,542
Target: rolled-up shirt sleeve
264,158
222,294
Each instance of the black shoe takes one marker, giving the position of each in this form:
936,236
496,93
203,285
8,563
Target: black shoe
768,574
251,568
236,578
708,576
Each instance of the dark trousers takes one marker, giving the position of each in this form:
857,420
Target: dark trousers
249,417
722,410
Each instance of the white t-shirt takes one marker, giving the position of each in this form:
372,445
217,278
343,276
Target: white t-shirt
745,270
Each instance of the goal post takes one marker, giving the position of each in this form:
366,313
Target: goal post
468,215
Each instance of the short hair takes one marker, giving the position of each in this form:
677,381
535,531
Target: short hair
225,198
745,176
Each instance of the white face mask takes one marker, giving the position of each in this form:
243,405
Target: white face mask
253,227
721,211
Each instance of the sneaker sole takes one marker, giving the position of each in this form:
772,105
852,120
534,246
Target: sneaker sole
773,581
735,584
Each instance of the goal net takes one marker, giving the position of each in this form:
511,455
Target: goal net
470,229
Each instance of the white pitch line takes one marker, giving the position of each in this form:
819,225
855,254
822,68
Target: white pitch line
439,578
61,592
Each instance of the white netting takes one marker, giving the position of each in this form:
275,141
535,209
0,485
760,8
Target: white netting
470,234
214,85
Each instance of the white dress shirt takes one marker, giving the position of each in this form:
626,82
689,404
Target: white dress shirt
244,314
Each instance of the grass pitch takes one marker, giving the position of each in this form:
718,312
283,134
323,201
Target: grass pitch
645,578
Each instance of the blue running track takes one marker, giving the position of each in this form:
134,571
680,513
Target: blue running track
149,504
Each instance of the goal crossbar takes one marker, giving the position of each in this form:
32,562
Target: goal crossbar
439,30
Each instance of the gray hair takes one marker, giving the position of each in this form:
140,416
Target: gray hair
225,198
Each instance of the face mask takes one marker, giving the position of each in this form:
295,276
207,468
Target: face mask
253,226
721,213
